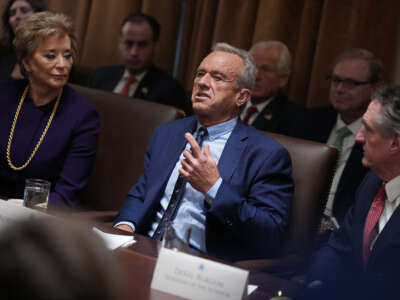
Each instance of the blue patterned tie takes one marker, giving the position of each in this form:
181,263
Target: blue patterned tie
177,194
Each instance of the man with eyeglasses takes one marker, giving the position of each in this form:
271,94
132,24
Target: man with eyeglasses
355,75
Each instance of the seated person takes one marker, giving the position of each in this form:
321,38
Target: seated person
47,259
15,13
139,77
234,193
47,130
355,75
361,259
269,108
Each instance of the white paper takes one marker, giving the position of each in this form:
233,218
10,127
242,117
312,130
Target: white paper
198,278
114,241
11,213
251,288
18,202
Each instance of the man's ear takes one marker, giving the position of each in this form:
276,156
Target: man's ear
395,145
242,97
283,81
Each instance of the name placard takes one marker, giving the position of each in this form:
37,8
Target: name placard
194,277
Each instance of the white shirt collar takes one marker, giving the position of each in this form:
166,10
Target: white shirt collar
262,105
354,127
393,189
138,77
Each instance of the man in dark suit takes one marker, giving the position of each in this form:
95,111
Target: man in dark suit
269,107
361,260
239,188
139,77
354,77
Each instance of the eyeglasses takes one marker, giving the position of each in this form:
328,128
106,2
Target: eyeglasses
347,83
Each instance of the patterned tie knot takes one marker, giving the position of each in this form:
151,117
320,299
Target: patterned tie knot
250,111
342,133
128,82
201,134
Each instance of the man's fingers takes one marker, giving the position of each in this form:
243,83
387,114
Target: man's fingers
195,148
207,151
186,166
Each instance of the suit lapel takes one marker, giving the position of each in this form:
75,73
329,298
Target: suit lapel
174,147
389,236
234,147
145,87
323,124
352,168
267,117
113,78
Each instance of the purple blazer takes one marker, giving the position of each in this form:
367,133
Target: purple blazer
66,154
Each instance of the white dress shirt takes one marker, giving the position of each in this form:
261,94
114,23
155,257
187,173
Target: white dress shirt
347,147
260,108
392,201
132,89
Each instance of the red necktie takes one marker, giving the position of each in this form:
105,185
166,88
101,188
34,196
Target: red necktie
128,82
250,111
372,219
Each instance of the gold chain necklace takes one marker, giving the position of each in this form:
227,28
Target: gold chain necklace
12,166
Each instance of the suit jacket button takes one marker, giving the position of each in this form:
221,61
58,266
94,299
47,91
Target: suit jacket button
228,223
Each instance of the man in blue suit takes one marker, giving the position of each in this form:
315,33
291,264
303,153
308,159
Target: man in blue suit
361,259
239,187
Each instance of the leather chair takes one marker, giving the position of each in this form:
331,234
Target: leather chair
126,126
313,168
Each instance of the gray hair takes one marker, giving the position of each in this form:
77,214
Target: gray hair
284,64
389,119
246,77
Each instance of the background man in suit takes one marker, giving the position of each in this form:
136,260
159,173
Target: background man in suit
355,75
361,260
239,188
269,108
138,77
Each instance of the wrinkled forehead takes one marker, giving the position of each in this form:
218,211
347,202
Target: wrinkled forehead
222,62
357,69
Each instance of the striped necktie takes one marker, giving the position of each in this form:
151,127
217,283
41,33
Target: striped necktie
177,194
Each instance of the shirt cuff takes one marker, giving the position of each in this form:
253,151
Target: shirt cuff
212,192
131,225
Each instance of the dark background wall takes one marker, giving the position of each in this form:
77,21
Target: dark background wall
315,31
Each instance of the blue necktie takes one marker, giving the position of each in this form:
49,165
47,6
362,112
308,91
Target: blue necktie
177,194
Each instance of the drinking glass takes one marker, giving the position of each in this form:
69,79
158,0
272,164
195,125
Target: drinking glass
171,240
36,193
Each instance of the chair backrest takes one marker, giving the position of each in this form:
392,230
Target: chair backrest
126,126
313,168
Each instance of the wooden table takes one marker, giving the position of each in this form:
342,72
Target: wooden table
138,262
